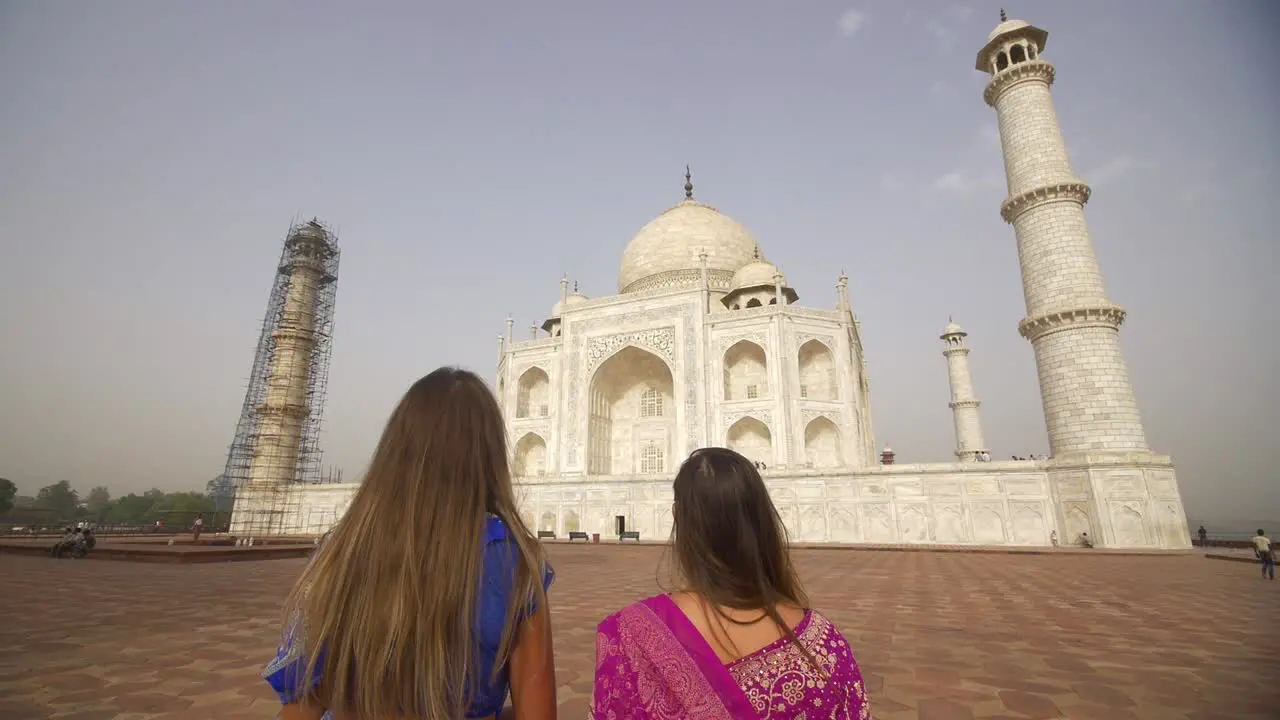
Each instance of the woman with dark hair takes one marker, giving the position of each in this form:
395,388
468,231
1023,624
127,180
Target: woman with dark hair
738,638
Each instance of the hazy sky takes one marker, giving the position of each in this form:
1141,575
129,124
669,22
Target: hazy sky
152,155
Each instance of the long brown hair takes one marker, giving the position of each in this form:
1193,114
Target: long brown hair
730,545
385,612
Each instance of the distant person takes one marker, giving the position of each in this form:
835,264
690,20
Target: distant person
428,598
1053,538
196,527
65,543
1262,546
739,638
1085,541
1204,536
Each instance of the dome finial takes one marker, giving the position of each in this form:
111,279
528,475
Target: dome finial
1003,17
756,252
575,286
688,183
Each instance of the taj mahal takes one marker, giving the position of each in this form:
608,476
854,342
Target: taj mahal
707,344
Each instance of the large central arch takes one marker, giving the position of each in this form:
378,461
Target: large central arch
631,426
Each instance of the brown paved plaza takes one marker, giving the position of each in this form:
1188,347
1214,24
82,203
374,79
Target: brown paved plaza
939,635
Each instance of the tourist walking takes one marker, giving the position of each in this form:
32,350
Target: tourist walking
1204,537
196,527
428,598
737,639
1266,556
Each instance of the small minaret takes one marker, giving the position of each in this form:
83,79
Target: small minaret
842,292
964,406
564,288
511,324
1073,327
706,279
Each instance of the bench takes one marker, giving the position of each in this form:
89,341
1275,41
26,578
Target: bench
578,536
630,535
546,535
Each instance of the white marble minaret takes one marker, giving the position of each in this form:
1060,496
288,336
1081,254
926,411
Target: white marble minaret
286,406
1088,401
964,406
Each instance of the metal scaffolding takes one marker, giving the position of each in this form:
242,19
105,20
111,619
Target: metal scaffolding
276,447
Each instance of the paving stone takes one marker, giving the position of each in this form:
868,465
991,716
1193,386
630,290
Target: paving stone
938,635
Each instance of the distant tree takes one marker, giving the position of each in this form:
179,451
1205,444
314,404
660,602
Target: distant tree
128,510
153,505
7,492
98,501
219,487
59,499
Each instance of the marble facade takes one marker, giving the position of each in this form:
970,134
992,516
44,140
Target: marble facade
705,344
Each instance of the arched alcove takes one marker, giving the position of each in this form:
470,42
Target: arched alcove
746,372
571,522
533,394
1002,61
817,371
822,444
1017,54
631,415
752,439
753,302
531,456
548,522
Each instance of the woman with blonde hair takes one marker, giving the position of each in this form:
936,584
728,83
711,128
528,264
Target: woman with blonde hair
428,599
739,639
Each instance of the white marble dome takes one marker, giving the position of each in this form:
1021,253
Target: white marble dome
665,252
754,274
1006,26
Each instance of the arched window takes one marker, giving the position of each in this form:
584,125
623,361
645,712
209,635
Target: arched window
1002,61
753,302
650,403
1018,54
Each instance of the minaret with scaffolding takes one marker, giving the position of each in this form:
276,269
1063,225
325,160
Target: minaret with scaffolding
276,446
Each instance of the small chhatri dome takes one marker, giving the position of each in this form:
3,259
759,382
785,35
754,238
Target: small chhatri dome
576,297
997,39
666,252
759,272
953,329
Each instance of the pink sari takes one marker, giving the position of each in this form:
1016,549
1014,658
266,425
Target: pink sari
653,664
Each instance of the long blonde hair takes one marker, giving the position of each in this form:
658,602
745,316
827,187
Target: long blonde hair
385,613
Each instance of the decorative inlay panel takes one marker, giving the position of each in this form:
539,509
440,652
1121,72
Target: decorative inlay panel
757,338
829,341
763,415
808,416
660,340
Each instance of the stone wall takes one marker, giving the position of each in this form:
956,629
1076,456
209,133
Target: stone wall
290,510
1129,505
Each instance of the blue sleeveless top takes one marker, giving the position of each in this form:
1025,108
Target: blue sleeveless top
497,575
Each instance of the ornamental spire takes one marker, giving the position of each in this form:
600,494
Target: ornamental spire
688,183
1003,17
